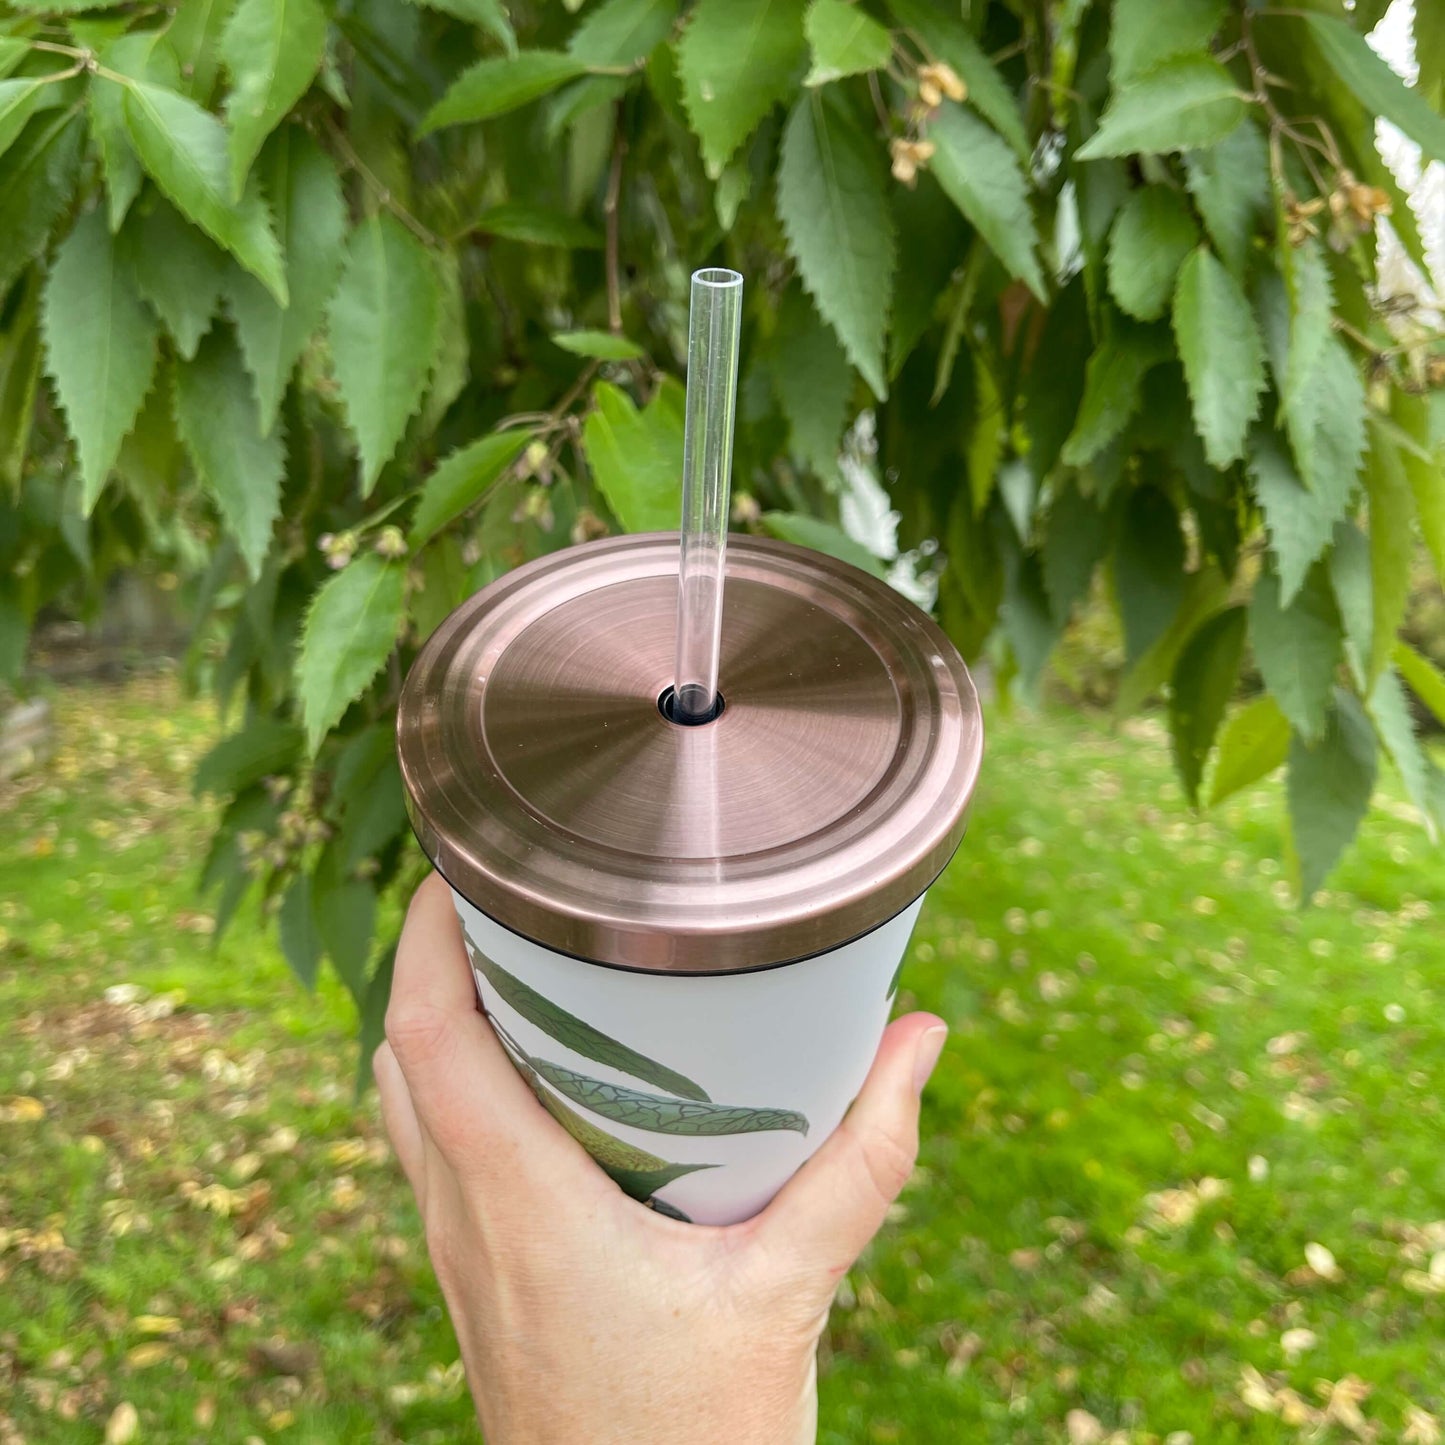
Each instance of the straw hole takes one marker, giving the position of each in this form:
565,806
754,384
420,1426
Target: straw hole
667,706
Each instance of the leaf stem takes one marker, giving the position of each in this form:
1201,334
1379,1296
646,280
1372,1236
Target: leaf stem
383,191
614,189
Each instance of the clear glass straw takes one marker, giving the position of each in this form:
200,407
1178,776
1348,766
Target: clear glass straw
714,324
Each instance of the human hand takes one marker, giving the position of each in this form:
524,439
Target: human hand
582,1316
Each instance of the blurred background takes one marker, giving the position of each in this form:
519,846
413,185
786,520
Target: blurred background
1110,332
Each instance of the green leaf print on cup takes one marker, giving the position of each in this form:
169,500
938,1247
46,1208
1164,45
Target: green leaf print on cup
576,1034
636,1172
660,1114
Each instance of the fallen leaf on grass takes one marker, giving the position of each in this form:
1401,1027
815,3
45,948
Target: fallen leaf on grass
1343,1398
1322,1262
1421,1427
153,1352
21,1109
285,1357
123,1424
1083,1428
157,1324
1295,1342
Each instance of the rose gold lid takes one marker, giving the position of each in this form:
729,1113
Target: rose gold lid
549,789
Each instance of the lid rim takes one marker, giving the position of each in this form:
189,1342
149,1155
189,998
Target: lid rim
600,894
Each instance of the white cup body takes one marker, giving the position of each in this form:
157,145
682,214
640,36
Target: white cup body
779,1053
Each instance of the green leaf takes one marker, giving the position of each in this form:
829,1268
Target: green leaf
195,34
177,270
1327,424
1205,593
622,32
1027,620
343,909
1430,53
1148,568
452,370
735,61
501,84
601,345
300,941
366,806
384,327
517,221
1426,681
984,448
835,217
262,747
1390,712
1230,184
311,222
1297,647
1111,388
580,99
1076,539
1350,579
13,49
183,149
143,55
660,1114
1180,105
1223,355
1255,741
577,1034
805,531
17,103
462,480
1143,33
845,40
37,179
242,469
1205,678
372,1006
982,177
1374,84
272,49
488,15
1311,314
813,381
949,40
14,636
636,456
1392,545
21,356
1330,784
100,346
1426,474
350,629
1300,521
1150,239
938,238
373,816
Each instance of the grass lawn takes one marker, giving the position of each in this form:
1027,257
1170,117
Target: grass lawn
1182,1176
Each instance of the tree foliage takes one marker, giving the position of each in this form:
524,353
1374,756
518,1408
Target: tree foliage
337,309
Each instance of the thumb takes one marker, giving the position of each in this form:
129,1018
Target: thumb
836,1202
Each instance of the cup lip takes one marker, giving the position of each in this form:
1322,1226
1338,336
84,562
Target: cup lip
734,912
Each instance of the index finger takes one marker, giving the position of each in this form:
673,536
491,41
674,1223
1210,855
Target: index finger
469,1098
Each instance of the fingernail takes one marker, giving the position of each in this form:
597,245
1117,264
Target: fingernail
926,1055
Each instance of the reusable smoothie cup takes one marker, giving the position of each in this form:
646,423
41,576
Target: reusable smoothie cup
688,937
